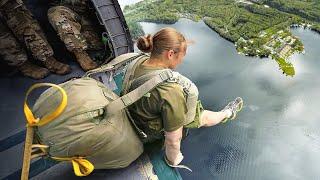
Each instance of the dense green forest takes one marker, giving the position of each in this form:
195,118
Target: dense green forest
258,28
309,9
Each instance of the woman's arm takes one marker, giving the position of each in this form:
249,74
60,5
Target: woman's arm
172,146
173,139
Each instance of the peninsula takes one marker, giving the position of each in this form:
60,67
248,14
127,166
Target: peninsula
256,27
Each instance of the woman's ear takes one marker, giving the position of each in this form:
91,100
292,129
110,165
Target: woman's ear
170,54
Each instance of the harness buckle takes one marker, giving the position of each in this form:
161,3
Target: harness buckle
173,77
172,80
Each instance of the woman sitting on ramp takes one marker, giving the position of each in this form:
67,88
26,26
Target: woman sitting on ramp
172,106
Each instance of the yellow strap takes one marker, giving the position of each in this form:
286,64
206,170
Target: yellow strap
31,120
81,167
39,146
38,155
27,153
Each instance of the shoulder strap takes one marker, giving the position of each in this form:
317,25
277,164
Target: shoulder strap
131,97
113,64
128,78
176,78
144,78
124,58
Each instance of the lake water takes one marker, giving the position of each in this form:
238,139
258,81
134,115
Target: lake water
276,135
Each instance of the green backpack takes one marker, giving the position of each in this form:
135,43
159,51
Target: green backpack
95,124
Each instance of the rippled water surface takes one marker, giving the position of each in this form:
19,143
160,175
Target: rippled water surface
276,135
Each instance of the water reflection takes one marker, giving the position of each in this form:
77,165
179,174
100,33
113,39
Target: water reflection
276,135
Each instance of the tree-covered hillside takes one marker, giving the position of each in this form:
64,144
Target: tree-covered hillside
258,28
309,9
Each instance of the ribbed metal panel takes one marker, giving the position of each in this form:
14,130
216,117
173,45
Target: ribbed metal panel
111,17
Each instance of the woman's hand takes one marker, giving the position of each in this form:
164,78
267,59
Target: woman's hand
175,162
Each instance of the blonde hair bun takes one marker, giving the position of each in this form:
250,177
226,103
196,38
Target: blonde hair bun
145,43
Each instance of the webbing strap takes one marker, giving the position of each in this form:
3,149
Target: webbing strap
124,58
142,79
27,153
31,120
137,93
111,65
188,87
81,166
127,80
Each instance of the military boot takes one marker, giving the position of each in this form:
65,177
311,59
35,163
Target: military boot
84,60
57,67
33,71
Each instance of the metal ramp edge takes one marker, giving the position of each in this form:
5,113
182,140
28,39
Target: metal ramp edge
110,15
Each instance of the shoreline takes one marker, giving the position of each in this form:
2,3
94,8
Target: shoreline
283,63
